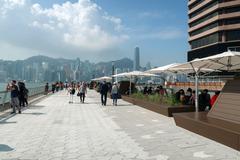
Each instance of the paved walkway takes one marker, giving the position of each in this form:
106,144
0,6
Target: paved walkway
53,129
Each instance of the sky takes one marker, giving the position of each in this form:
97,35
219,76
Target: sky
95,30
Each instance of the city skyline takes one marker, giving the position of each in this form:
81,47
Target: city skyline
46,69
98,30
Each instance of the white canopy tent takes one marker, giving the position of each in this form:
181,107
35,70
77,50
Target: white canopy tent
132,74
227,61
174,68
162,69
105,78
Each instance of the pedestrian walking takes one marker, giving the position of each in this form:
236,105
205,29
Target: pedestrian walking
53,87
13,88
71,92
103,91
21,94
46,88
114,92
82,91
25,92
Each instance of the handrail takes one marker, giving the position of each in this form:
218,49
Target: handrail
5,95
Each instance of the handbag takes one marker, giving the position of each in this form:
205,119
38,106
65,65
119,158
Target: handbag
78,94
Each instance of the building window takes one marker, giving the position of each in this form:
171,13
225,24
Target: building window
211,26
236,48
231,10
195,4
213,38
233,35
206,7
203,19
232,21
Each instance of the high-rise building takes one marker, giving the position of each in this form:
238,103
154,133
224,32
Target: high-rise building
214,27
136,65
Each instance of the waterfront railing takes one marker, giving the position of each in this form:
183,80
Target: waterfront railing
5,96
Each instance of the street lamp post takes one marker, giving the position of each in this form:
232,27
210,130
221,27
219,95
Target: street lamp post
113,71
116,72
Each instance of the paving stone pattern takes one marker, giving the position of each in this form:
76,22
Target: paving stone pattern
53,129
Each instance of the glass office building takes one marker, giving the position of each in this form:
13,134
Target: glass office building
214,27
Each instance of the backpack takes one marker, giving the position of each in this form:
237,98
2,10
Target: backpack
73,91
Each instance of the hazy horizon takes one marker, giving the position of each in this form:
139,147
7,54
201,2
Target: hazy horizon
101,61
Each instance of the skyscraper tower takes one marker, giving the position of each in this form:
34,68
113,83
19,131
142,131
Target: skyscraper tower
136,65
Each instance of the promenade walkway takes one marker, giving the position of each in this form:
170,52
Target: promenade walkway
53,129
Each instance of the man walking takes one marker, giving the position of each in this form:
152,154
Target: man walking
13,88
83,91
46,89
103,91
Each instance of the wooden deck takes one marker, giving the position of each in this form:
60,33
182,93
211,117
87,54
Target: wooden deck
221,131
222,123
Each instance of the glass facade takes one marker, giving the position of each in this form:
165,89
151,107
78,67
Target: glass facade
224,36
234,48
232,21
206,7
201,30
195,4
233,35
203,19
213,38
232,9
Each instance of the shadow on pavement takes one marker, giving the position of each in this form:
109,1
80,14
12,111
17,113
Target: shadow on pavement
35,113
5,148
3,120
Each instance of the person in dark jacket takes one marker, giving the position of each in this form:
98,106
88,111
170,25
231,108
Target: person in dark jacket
103,91
204,100
21,94
13,88
46,88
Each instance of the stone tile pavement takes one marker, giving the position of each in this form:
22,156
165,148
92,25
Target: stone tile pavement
53,129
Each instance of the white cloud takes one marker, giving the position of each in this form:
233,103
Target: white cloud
164,34
151,14
62,29
7,5
83,24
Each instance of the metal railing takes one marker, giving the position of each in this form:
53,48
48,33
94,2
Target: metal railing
5,96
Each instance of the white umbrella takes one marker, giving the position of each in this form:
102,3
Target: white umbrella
134,74
177,69
174,68
227,61
162,69
105,78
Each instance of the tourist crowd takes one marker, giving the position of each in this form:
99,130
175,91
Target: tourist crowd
19,93
186,97
104,88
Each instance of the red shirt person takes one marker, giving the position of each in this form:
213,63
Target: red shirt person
214,98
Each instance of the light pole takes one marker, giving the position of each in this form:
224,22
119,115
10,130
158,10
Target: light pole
116,71
113,70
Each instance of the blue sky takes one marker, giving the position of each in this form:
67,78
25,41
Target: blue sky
158,27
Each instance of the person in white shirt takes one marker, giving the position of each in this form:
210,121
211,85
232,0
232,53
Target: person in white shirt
115,93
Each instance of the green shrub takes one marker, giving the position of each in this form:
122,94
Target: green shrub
156,98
